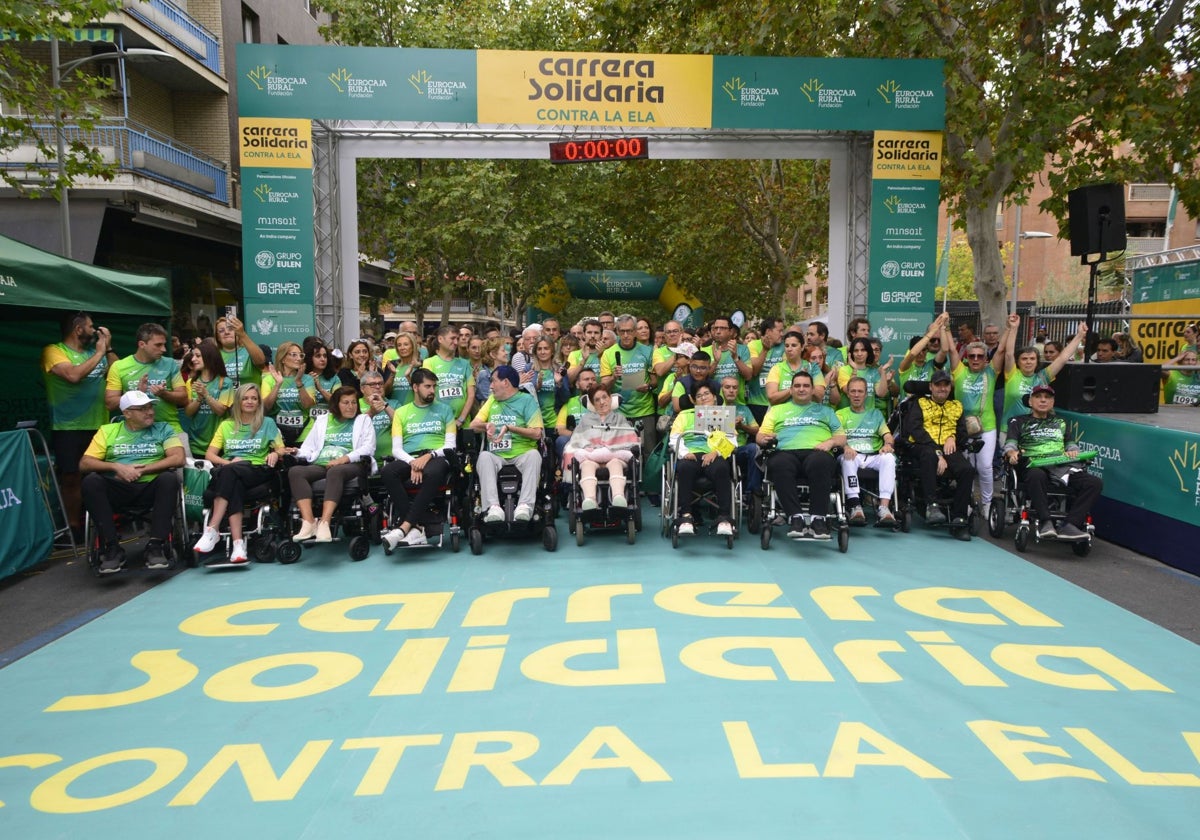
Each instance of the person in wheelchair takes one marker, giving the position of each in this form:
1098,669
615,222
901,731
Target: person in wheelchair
512,423
603,437
246,447
339,447
423,432
805,433
1042,434
869,444
938,433
696,456
746,427
129,464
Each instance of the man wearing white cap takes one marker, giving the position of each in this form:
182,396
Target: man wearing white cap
128,463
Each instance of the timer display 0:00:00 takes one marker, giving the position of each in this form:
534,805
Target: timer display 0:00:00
623,148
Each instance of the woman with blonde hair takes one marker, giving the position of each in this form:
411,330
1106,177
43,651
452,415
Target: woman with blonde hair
408,359
288,392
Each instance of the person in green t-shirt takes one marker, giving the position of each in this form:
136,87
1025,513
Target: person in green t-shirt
805,432
129,463
380,409
244,360
423,432
1021,372
512,422
695,456
245,447
765,353
572,410
926,353
1182,387
869,444
626,369
152,372
1042,433
74,371
455,385
288,392
975,386
210,394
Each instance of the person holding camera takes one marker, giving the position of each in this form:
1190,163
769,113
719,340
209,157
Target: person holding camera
244,360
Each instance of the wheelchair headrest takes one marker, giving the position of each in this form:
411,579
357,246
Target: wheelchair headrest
916,388
586,401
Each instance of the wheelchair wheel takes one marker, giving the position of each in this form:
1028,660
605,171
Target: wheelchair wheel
905,521
288,552
455,541
476,537
550,538
360,547
630,531
262,548
374,526
578,532
1082,548
571,518
975,522
996,516
844,538
637,518
729,542
674,537
764,537
1021,538
754,514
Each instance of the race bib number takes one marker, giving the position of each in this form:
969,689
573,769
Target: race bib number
289,419
501,444
318,411
330,453
449,392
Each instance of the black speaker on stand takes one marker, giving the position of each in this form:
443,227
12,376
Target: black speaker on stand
1109,388
1096,217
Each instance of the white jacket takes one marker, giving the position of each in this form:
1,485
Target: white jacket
364,440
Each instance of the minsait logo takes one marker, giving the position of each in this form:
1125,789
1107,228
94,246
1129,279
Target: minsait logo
264,260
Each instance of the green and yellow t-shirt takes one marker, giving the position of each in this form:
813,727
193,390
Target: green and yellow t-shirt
800,426
1181,388
126,373
634,360
339,440
74,406
1016,386
864,430
974,391
289,413
239,368
453,375
756,388
238,440
422,428
519,410
382,423
118,444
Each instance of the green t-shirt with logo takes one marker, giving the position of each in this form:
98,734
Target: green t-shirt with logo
684,425
634,360
382,423
288,412
800,426
756,388
921,372
1042,438
453,375
238,440
118,444
80,405
727,367
1181,388
547,395
1016,386
239,367
571,408
974,391
402,390
339,440
575,359
202,424
781,374
865,430
519,410
126,373
422,428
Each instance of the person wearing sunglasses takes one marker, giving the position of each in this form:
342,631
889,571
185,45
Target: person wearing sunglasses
975,387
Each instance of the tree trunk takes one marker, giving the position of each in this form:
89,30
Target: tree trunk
990,281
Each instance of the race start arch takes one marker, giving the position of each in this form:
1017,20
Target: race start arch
307,113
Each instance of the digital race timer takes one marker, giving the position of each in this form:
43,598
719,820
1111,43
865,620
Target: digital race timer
587,151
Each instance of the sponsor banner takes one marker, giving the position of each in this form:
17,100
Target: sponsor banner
904,223
1166,290
1142,466
626,285
1165,283
609,89
266,142
277,253
894,327
26,534
844,94
370,83
1161,339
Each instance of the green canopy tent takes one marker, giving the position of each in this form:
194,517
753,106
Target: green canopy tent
36,289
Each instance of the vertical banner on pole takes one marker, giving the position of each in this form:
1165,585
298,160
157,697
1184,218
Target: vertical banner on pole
906,171
277,228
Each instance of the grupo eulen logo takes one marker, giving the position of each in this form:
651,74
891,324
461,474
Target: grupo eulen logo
890,269
264,259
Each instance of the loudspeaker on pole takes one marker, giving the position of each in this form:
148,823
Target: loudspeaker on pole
1097,219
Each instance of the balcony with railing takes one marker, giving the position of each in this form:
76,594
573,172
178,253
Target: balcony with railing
178,27
136,148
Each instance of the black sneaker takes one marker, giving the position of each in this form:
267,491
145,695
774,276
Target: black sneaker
112,560
1072,533
934,516
818,529
156,555
797,529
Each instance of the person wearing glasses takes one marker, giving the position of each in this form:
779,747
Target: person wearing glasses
128,463
975,387
380,409
926,353
663,358
74,370
244,360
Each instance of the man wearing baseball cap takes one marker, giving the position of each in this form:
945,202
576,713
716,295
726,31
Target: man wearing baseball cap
1043,434
127,464
938,432
512,421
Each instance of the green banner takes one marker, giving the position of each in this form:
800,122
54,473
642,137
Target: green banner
26,533
1162,283
904,225
1143,466
626,285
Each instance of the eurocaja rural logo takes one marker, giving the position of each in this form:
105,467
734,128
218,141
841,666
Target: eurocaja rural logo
901,98
264,78
830,98
748,95
435,90
352,87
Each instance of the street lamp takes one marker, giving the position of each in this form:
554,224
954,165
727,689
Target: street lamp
1021,234
57,71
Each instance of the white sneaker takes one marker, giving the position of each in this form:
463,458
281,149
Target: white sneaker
686,528
208,541
494,514
307,531
415,536
588,504
391,539
239,554
523,513
324,535
725,529
620,501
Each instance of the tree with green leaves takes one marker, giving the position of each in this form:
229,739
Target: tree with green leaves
30,99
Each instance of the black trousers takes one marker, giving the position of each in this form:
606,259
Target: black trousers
686,472
395,478
1083,489
232,482
787,466
957,467
104,495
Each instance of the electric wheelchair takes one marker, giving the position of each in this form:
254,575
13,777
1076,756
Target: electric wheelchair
772,514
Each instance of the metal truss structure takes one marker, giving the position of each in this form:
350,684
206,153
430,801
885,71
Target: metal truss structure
338,144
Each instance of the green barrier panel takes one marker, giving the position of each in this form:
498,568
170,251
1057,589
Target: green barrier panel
26,534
